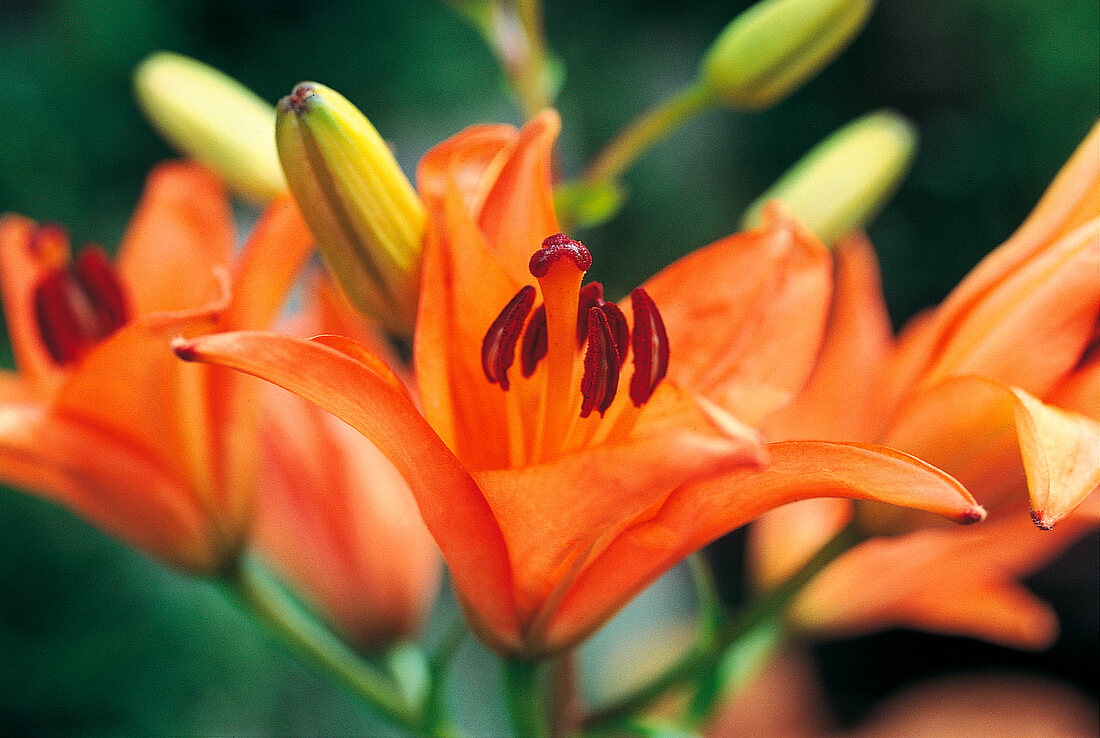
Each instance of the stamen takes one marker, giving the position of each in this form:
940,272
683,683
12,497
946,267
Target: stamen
77,305
591,296
620,331
650,347
555,247
535,344
601,366
498,350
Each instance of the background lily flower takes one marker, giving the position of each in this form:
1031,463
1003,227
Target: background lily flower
1000,387
99,415
335,518
549,515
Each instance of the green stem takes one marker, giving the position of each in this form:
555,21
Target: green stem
767,607
639,136
525,704
262,596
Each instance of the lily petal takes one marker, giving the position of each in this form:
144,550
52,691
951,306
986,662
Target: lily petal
697,514
553,523
745,315
464,285
927,589
182,226
1052,301
20,272
450,502
338,520
519,209
1061,454
984,430
49,453
838,402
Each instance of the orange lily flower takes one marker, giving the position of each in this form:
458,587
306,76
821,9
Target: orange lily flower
999,386
557,496
335,518
100,416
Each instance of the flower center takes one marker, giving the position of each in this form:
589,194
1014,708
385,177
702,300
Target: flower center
77,303
571,318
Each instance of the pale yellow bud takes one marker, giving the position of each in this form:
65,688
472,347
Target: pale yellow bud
768,51
214,119
846,179
364,213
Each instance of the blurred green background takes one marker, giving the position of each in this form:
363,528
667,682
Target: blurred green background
96,640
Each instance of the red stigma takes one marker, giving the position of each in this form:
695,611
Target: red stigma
77,305
555,247
650,342
601,366
498,350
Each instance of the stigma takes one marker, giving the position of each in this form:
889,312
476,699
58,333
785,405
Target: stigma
570,319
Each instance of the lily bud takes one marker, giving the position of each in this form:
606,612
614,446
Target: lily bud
846,179
364,213
214,119
769,50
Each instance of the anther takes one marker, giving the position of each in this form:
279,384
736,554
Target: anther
535,344
591,296
555,247
601,366
498,350
650,342
77,305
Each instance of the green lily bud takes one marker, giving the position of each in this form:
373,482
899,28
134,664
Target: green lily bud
366,217
214,119
769,50
846,179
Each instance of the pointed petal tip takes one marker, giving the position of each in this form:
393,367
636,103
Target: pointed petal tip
185,349
972,515
1043,520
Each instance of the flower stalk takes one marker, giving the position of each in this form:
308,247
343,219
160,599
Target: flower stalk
706,656
258,592
525,704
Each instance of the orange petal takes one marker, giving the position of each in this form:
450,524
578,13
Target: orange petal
556,516
1071,199
697,514
1050,304
980,430
118,484
958,582
464,286
339,522
20,272
519,209
181,232
273,255
450,502
745,315
839,402
1061,453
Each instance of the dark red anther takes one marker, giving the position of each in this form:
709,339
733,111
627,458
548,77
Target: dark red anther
498,350
650,347
555,247
535,342
77,305
620,331
591,296
601,366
